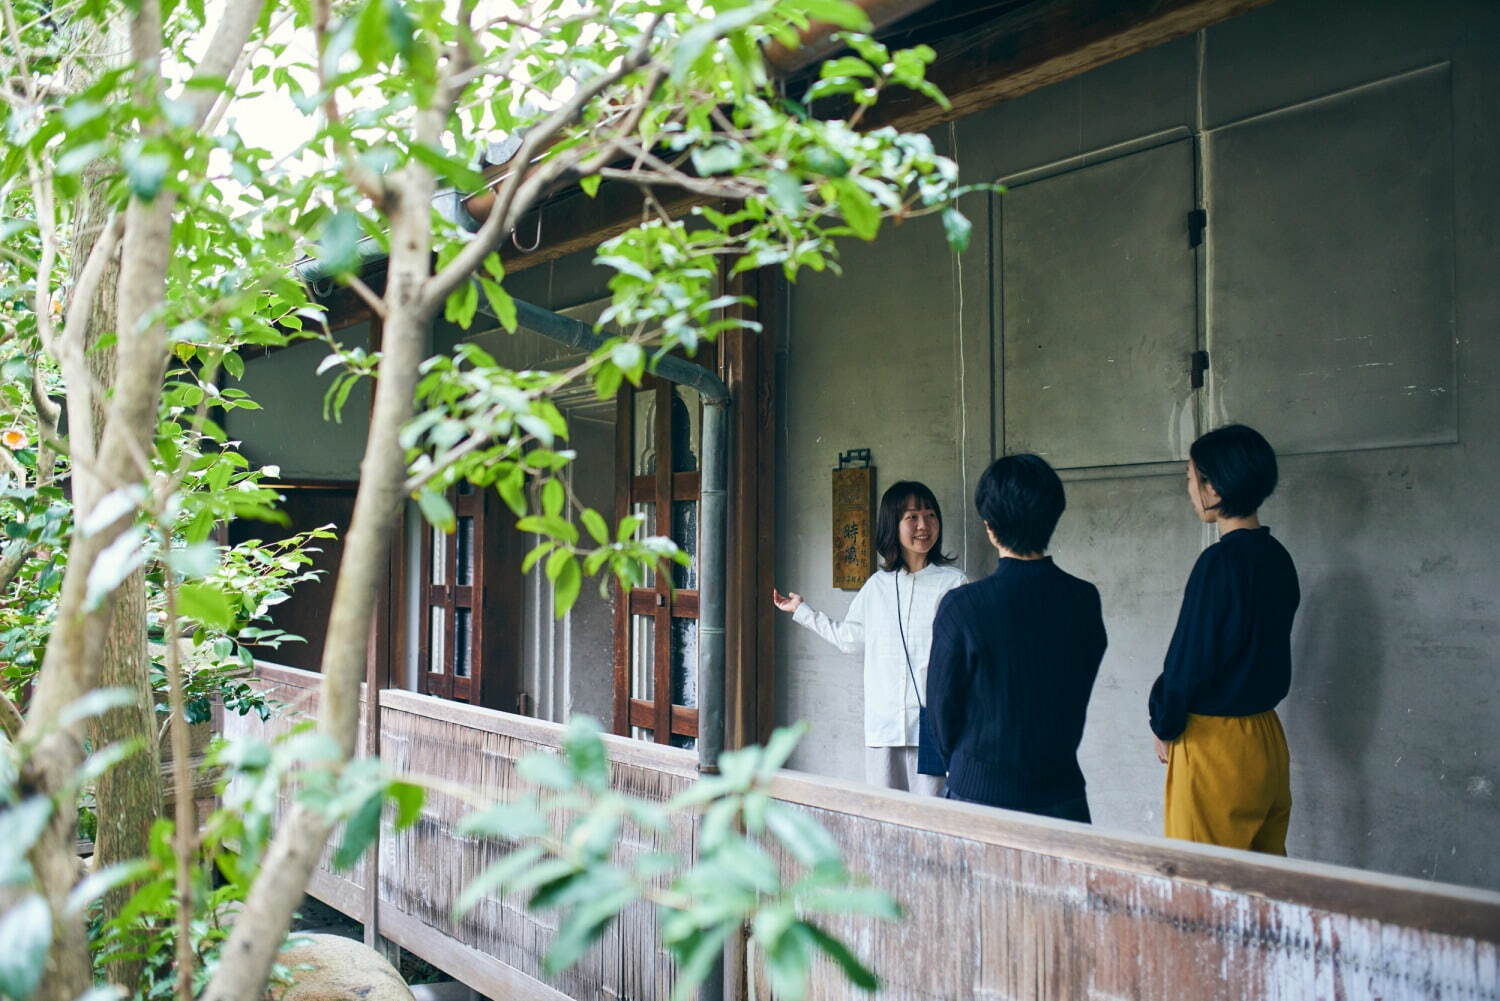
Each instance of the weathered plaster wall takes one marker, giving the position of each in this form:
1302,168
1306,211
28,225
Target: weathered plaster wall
289,429
1393,718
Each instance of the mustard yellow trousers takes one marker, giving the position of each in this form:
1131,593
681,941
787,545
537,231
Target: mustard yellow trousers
1229,783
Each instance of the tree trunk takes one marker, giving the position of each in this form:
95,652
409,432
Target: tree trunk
246,960
128,797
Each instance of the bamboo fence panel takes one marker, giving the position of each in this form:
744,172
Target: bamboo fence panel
479,749
297,690
999,905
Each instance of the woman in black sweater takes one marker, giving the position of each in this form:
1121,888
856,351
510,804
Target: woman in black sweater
1015,655
1213,709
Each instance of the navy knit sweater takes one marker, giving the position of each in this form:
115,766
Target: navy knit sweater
1231,654
1014,657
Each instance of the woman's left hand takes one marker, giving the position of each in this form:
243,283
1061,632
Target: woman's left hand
1161,748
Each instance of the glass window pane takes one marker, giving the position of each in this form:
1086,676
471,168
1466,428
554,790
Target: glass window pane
643,657
685,534
465,570
687,429
465,488
647,513
436,640
439,556
685,662
462,642
643,437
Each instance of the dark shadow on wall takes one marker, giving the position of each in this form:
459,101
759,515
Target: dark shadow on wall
1339,655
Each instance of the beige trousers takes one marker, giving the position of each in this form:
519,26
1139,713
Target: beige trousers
896,768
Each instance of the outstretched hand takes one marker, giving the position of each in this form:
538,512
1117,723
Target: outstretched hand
786,602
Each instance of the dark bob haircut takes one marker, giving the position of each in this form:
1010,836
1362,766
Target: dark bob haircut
1020,498
888,524
1241,466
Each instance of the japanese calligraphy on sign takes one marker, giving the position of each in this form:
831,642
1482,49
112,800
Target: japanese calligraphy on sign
853,527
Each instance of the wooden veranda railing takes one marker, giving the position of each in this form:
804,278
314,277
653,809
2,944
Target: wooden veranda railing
999,905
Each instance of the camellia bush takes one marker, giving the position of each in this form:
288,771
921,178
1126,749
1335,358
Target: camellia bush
146,245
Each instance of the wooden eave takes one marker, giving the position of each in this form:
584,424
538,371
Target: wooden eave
986,53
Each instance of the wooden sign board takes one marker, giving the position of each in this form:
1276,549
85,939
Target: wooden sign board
853,527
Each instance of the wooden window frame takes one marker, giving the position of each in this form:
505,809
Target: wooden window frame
491,598
660,603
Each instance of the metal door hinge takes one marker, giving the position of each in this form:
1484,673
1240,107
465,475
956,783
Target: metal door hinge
1197,222
1199,366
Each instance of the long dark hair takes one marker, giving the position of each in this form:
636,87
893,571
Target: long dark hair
888,524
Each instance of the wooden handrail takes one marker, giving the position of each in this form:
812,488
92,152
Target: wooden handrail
1440,908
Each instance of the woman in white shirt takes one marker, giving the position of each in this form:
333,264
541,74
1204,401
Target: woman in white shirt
891,621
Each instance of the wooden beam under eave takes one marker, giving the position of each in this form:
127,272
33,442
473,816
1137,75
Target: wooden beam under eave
1039,45
1021,51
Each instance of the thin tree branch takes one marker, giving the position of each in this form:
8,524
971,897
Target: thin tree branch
376,304
15,557
515,190
219,59
184,835
10,718
368,183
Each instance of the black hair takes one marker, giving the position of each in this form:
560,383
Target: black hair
1240,464
888,524
1020,498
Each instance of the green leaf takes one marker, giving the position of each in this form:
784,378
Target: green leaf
958,229
582,927
26,930
338,243
594,522
371,34
512,490
146,173
501,304
785,191
408,798
545,770
359,832
700,36
788,962
783,741
206,603
496,877
537,552
590,184
436,509
721,158
565,588
553,498
20,826
859,974
505,820
858,208
695,958
96,703
841,13
803,836
96,884
585,752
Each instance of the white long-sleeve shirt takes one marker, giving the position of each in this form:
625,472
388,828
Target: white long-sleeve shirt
891,703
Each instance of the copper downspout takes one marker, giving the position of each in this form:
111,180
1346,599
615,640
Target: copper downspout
817,43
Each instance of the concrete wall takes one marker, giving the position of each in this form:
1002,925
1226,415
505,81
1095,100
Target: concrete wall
1348,293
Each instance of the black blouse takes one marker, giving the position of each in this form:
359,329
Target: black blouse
1231,654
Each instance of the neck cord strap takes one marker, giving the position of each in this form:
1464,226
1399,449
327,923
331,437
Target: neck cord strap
917,691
